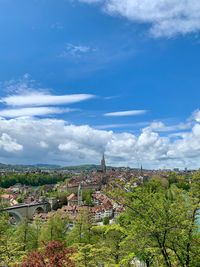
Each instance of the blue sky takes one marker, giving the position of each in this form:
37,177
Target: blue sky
134,71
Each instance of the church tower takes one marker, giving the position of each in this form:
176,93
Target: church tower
141,171
103,164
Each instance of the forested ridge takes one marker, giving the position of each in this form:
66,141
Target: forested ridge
32,179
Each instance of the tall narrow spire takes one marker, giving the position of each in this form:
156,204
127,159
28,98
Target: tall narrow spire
141,171
103,164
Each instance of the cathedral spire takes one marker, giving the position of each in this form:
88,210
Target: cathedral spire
103,164
141,171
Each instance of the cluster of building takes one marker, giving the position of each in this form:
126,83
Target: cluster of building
101,206
23,194
95,181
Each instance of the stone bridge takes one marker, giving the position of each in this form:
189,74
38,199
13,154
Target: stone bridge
27,211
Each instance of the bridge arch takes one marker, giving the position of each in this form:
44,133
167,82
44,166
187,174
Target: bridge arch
38,210
20,212
15,217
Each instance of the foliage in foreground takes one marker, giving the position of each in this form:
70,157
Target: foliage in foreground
158,228
53,254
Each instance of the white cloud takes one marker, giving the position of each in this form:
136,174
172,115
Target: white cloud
125,113
43,144
54,141
196,115
188,146
166,17
8,144
24,139
35,98
32,111
159,126
24,92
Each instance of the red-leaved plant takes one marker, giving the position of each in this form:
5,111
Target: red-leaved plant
54,254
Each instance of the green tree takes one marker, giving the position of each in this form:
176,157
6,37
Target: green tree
55,228
87,197
160,223
106,221
26,236
9,249
114,236
82,230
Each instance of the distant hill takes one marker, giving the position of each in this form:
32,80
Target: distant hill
86,167
46,166
26,167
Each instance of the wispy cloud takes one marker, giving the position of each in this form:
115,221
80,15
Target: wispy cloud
111,97
76,50
23,84
120,125
33,111
125,113
159,126
91,1
25,92
57,26
34,98
156,126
